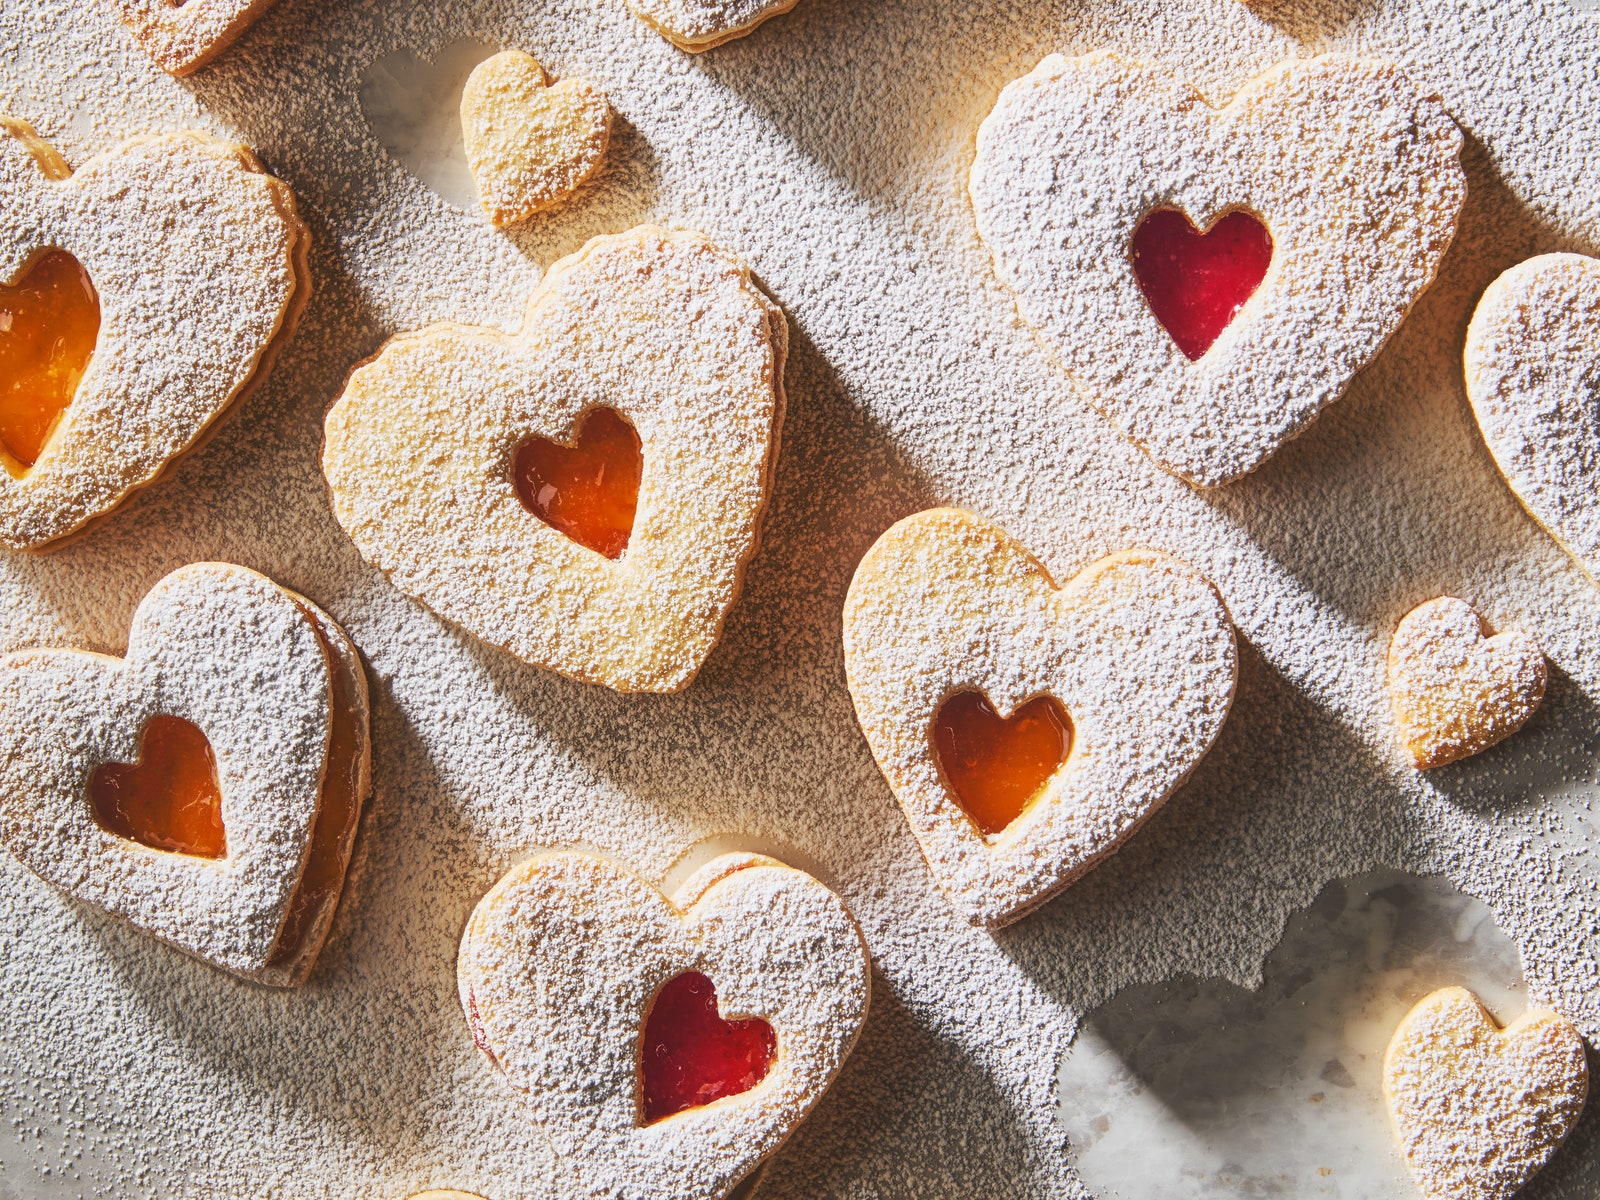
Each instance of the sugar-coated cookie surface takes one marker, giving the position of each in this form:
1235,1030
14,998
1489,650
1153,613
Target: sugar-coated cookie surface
1137,648
1478,1110
1353,169
1455,689
199,262
182,37
560,965
697,25
280,695
529,145
1532,364
663,328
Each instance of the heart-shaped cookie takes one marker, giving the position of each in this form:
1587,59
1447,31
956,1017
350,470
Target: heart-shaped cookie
1478,1110
568,965
206,787
1533,375
529,145
423,450
697,25
197,262
183,35
1136,651
1455,689
1352,171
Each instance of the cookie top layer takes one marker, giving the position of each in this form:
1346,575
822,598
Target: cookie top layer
199,259
182,37
697,25
662,327
1354,171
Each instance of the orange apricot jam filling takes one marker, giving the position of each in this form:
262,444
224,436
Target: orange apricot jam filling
996,767
691,1056
49,321
588,490
169,799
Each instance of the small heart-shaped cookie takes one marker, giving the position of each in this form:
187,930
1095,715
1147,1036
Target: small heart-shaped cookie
1136,651
197,262
529,145
1456,690
1533,375
1087,173
696,25
183,35
206,787
574,974
424,459
1478,1110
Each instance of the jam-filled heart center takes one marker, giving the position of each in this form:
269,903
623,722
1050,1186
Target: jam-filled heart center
49,321
169,799
691,1056
1194,282
997,765
588,490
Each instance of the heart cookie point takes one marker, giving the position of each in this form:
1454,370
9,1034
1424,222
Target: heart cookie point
691,1056
1197,281
588,490
169,799
49,321
998,766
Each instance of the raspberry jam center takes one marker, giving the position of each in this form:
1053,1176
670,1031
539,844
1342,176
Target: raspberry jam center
588,490
1196,283
49,320
169,799
691,1056
997,766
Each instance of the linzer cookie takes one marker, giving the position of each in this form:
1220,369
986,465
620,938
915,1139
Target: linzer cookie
585,493
666,1046
697,25
1479,1110
1028,729
183,36
1212,278
147,291
1533,376
206,786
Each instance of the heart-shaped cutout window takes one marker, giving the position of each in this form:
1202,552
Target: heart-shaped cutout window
169,799
997,766
1194,282
49,321
691,1056
588,490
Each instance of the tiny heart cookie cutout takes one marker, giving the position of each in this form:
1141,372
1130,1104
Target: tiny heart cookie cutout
261,700
1352,174
566,961
696,25
423,452
197,261
183,36
1456,690
529,145
1533,375
1137,650
1478,1110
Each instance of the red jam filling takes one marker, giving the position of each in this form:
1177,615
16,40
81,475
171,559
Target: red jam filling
996,767
49,320
1196,283
169,799
588,490
691,1056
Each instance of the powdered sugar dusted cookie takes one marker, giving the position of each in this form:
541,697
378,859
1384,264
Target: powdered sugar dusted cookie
205,787
585,493
183,36
147,291
1027,730
666,1046
1328,190
529,145
697,25
1478,1110
1533,375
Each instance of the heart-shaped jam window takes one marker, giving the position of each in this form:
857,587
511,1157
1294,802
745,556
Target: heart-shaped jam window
691,1056
588,490
169,799
1194,282
49,320
994,765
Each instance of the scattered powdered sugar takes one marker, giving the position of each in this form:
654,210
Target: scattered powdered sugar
830,150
